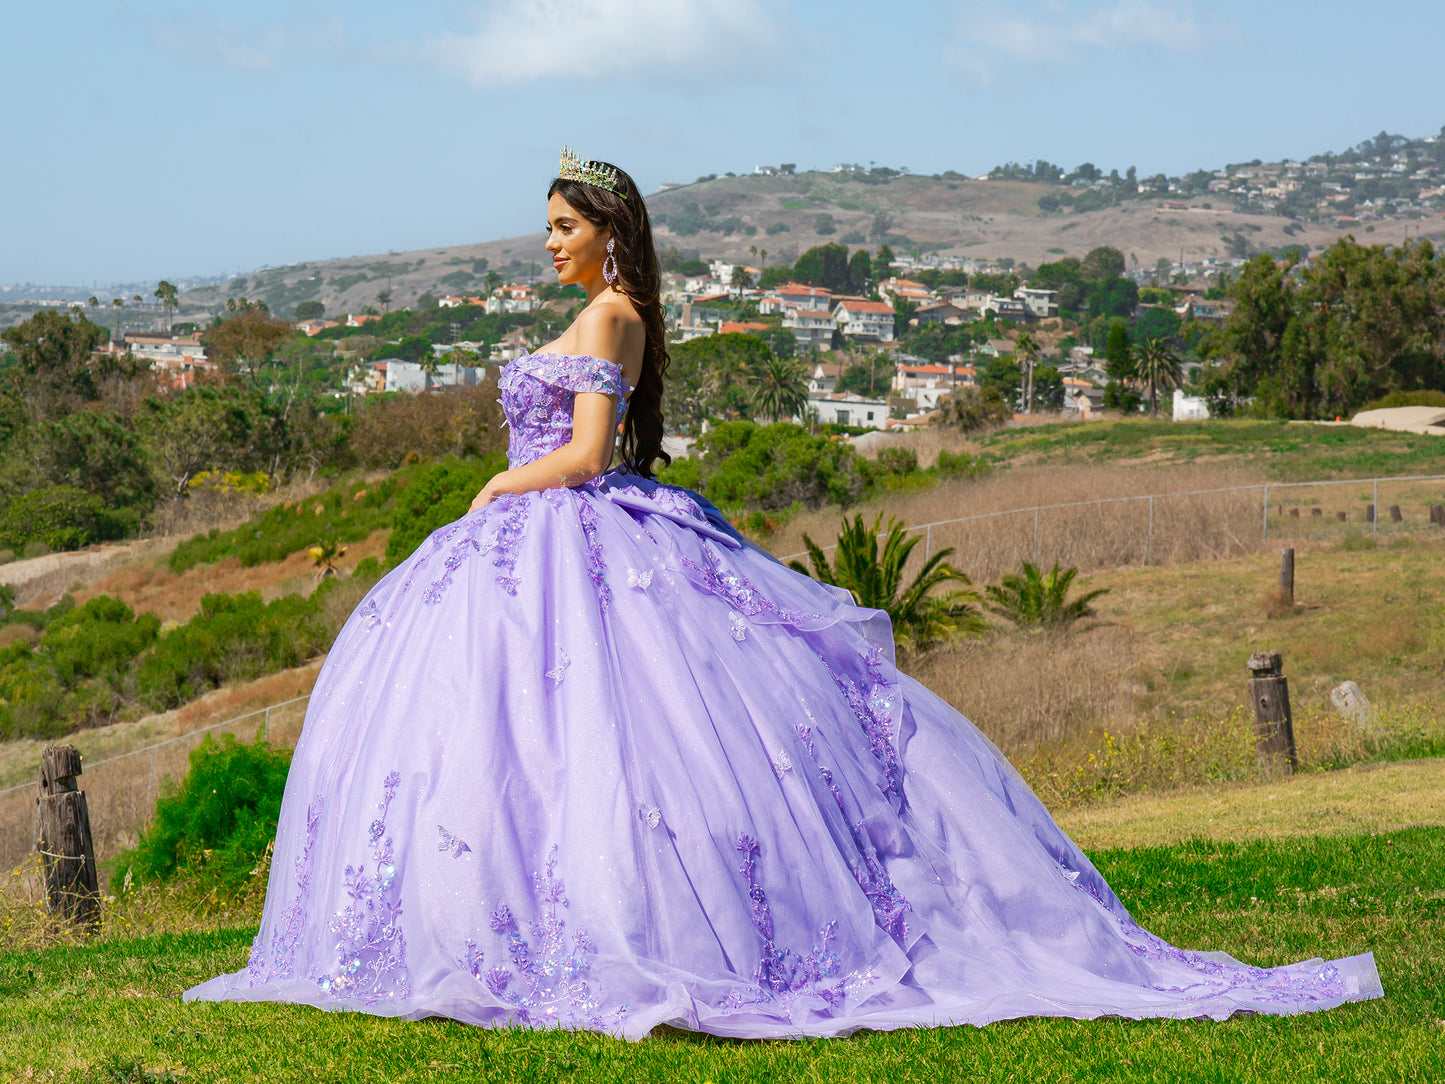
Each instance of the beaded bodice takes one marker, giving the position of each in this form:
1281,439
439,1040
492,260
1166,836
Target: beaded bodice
537,395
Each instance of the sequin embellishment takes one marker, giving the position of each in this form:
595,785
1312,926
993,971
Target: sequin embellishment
548,983
596,567
451,842
368,930
782,974
509,539
286,934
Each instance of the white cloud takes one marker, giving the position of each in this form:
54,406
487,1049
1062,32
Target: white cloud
992,40
589,44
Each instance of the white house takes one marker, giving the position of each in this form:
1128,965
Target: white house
811,327
865,321
835,408
409,376
1189,408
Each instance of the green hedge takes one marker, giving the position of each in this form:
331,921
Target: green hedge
217,822
62,517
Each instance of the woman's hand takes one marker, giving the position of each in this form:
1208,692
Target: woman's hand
489,492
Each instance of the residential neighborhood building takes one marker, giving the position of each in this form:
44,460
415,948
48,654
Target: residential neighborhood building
411,376
1041,303
865,321
845,408
811,327
1189,408
513,299
925,382
177,359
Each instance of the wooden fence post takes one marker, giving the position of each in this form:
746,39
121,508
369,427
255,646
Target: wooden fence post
1273,723
1286,574
63,831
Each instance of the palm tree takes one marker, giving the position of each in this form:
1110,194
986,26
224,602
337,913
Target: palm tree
166,294
1028,349
118,305
1156,365
741,279
921,616
780,388
1035,600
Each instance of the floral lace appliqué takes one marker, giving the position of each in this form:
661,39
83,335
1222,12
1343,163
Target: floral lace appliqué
782,974
286,934
538,391
509,539
368,930
596,566
548,983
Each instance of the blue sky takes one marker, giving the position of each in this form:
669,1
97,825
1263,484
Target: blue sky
146,140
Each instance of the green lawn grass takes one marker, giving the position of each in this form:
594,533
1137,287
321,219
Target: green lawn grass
110,1010
1288,451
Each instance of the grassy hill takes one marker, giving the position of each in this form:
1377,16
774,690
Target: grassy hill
983,219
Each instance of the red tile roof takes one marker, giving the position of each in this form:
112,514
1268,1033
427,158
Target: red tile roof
867,306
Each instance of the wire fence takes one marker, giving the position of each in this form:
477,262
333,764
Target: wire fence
121,790
1160,528
1189,525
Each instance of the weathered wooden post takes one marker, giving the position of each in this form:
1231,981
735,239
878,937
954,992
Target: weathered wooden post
1437,514
1395,514
1342,516
1273,723
1369,513
1286,575
63,838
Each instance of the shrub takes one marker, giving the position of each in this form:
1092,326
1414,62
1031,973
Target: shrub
960,465
1037,600
438,494
63,517
972,410
220,819
772,467
234,637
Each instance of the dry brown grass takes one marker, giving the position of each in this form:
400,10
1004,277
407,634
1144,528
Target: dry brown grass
151,587
121,794
1278,603
1089,537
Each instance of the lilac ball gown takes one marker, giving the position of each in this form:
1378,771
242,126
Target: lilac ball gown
587,759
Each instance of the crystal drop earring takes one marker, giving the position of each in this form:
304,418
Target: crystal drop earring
610,276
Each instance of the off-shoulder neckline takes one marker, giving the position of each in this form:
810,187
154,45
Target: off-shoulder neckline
588,357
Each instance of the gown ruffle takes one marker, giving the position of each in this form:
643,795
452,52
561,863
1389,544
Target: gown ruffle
588,759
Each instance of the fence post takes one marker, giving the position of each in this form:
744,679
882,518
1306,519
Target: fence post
1375,513
1036,534
1286,574
1273,723
63,838
1264,538
266,723
1149,542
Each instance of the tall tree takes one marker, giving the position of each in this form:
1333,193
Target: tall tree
54,369
780,388
167,293
1027,349
1156,365
243,344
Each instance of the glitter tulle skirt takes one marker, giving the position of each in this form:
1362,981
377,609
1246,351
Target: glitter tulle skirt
587,760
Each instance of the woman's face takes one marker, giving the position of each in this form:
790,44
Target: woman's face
577,247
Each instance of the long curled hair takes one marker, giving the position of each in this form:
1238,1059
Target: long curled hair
640,279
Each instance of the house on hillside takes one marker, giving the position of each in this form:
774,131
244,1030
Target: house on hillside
944,312
811,327
837,408
411,376
313,327
824,377
925,382
865,321
1041,303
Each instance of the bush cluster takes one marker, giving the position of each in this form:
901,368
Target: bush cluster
218,822
77,672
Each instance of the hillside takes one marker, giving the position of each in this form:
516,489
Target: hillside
984,219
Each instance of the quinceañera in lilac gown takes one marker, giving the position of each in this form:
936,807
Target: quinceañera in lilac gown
587,759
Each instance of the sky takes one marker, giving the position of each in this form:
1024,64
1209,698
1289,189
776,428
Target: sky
143,140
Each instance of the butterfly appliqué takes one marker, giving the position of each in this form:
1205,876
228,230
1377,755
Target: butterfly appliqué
737,626
640,580
453,843
649,815
558,672
783,764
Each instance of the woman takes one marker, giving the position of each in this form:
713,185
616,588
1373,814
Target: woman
588,759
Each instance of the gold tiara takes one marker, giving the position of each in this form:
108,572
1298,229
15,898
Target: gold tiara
576,168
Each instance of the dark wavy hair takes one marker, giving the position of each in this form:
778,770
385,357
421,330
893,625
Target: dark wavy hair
639,277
